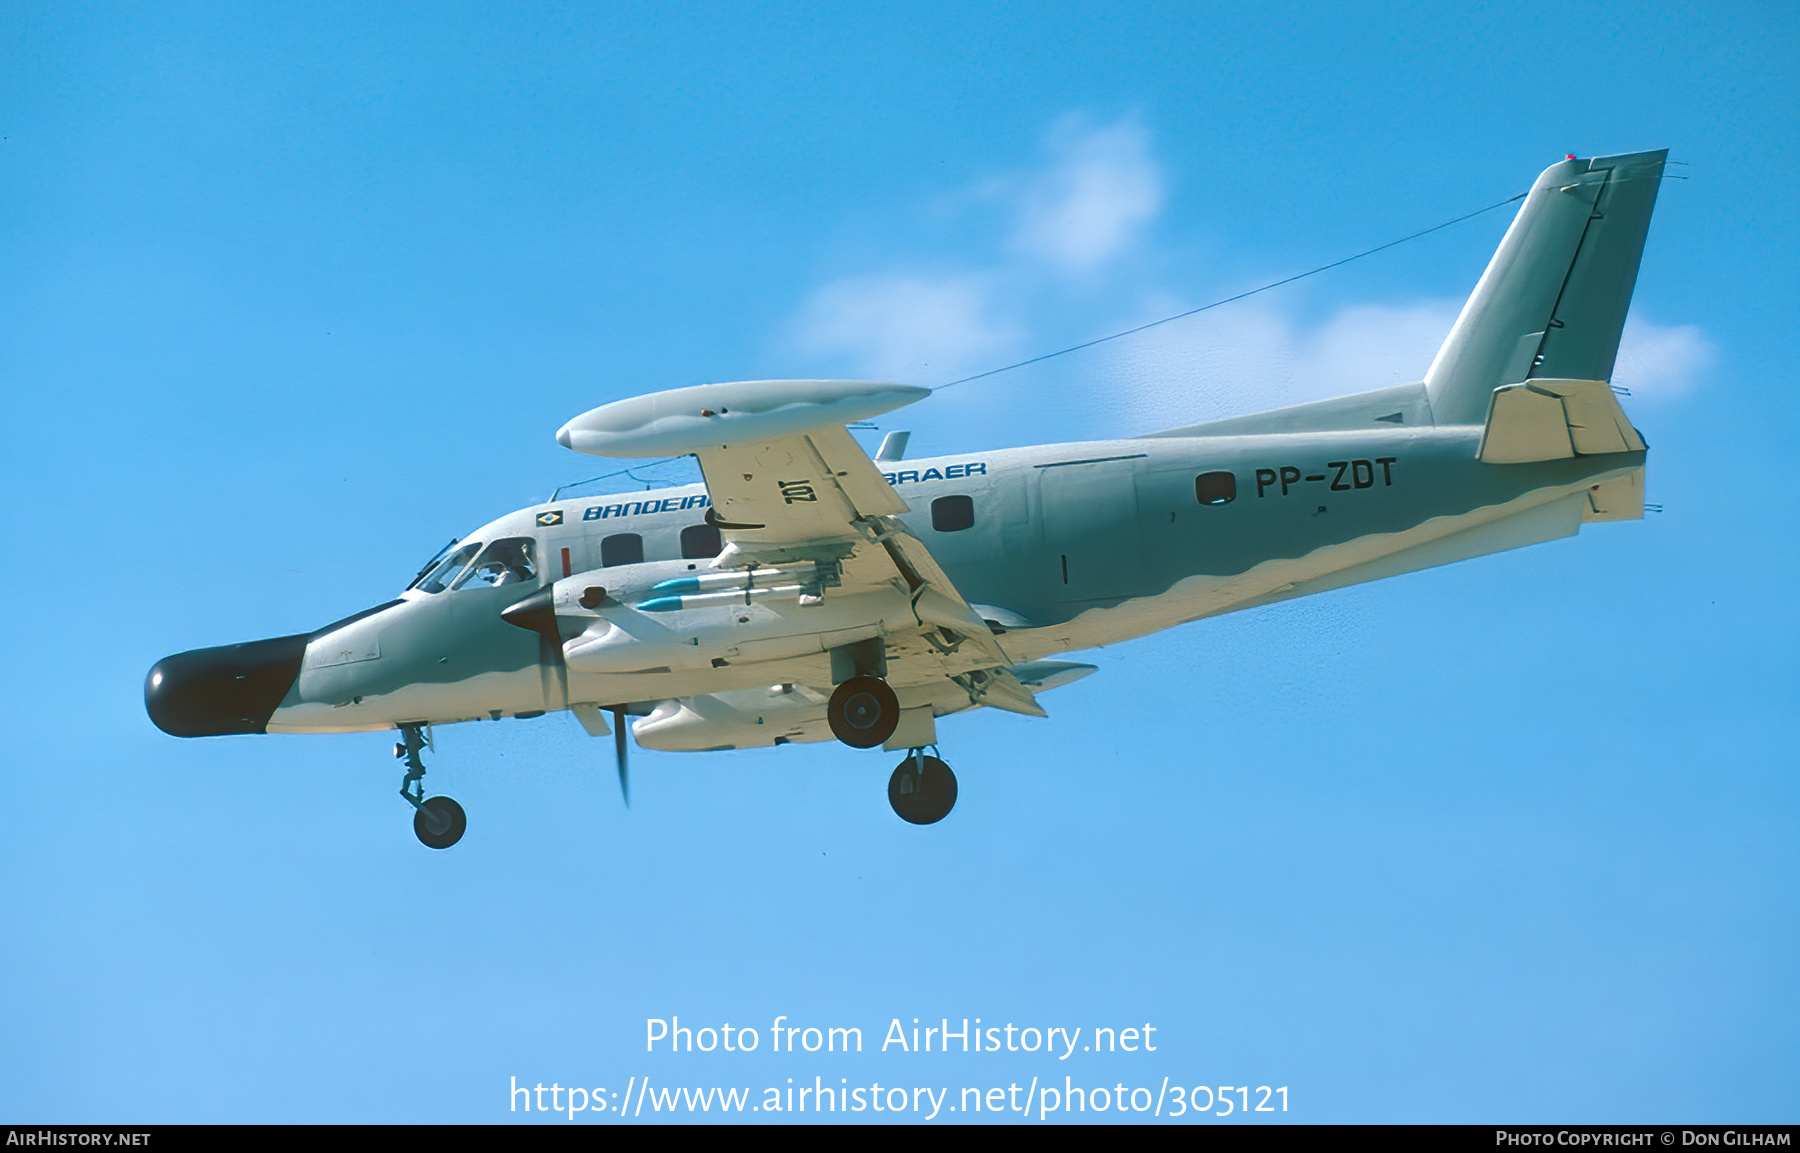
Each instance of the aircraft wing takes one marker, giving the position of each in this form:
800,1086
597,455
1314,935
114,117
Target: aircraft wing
804,486
789,484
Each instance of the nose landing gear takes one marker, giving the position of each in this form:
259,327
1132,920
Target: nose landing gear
438,822
922,789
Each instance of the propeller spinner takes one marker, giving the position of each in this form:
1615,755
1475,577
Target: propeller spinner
537,613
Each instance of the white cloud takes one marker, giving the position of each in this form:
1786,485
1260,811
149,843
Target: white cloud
1660,361
903,327
1090,204
1254,357
1369,346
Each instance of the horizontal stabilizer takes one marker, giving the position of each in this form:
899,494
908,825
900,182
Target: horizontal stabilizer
1621,499
1555,420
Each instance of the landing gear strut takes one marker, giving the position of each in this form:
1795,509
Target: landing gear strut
922,789
437,821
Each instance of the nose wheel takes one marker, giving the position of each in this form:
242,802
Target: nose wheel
922,789
438,822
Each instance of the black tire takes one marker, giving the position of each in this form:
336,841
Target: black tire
923,792
863,712
450,818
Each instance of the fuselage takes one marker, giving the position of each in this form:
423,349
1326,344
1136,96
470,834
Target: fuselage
810,593
1060,547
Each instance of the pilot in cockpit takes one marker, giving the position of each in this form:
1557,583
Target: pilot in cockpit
505,562
496,572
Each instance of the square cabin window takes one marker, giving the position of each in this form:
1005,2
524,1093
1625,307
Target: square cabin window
953,513
699,541
622,548
1215,487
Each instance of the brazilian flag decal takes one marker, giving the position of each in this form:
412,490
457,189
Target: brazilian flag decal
546,519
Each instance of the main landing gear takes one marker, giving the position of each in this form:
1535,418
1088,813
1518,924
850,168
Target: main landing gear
438,821
863,712
922,789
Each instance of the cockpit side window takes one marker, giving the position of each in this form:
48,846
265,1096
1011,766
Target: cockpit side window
510,560
439,578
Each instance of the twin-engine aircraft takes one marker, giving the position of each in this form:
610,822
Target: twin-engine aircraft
808,592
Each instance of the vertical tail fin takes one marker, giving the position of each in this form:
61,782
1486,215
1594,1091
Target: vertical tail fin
1553,299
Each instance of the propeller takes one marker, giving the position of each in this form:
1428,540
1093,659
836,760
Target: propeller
620,753
537,613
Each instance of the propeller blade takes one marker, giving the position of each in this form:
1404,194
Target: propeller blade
554,672
537,613
621,755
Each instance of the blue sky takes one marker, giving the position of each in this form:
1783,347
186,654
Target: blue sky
292,297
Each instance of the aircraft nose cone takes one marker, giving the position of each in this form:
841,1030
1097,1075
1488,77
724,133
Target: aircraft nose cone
219,691
562,437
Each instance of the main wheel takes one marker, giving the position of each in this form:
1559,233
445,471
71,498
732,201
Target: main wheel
439,822
922,791
863,712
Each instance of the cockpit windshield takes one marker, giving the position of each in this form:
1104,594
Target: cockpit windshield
442,573
504,562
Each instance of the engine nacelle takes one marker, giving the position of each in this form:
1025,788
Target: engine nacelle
705,723
608,630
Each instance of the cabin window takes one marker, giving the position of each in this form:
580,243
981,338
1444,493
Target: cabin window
1215,487
505,562
699,541
952,513
622,548
439,578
